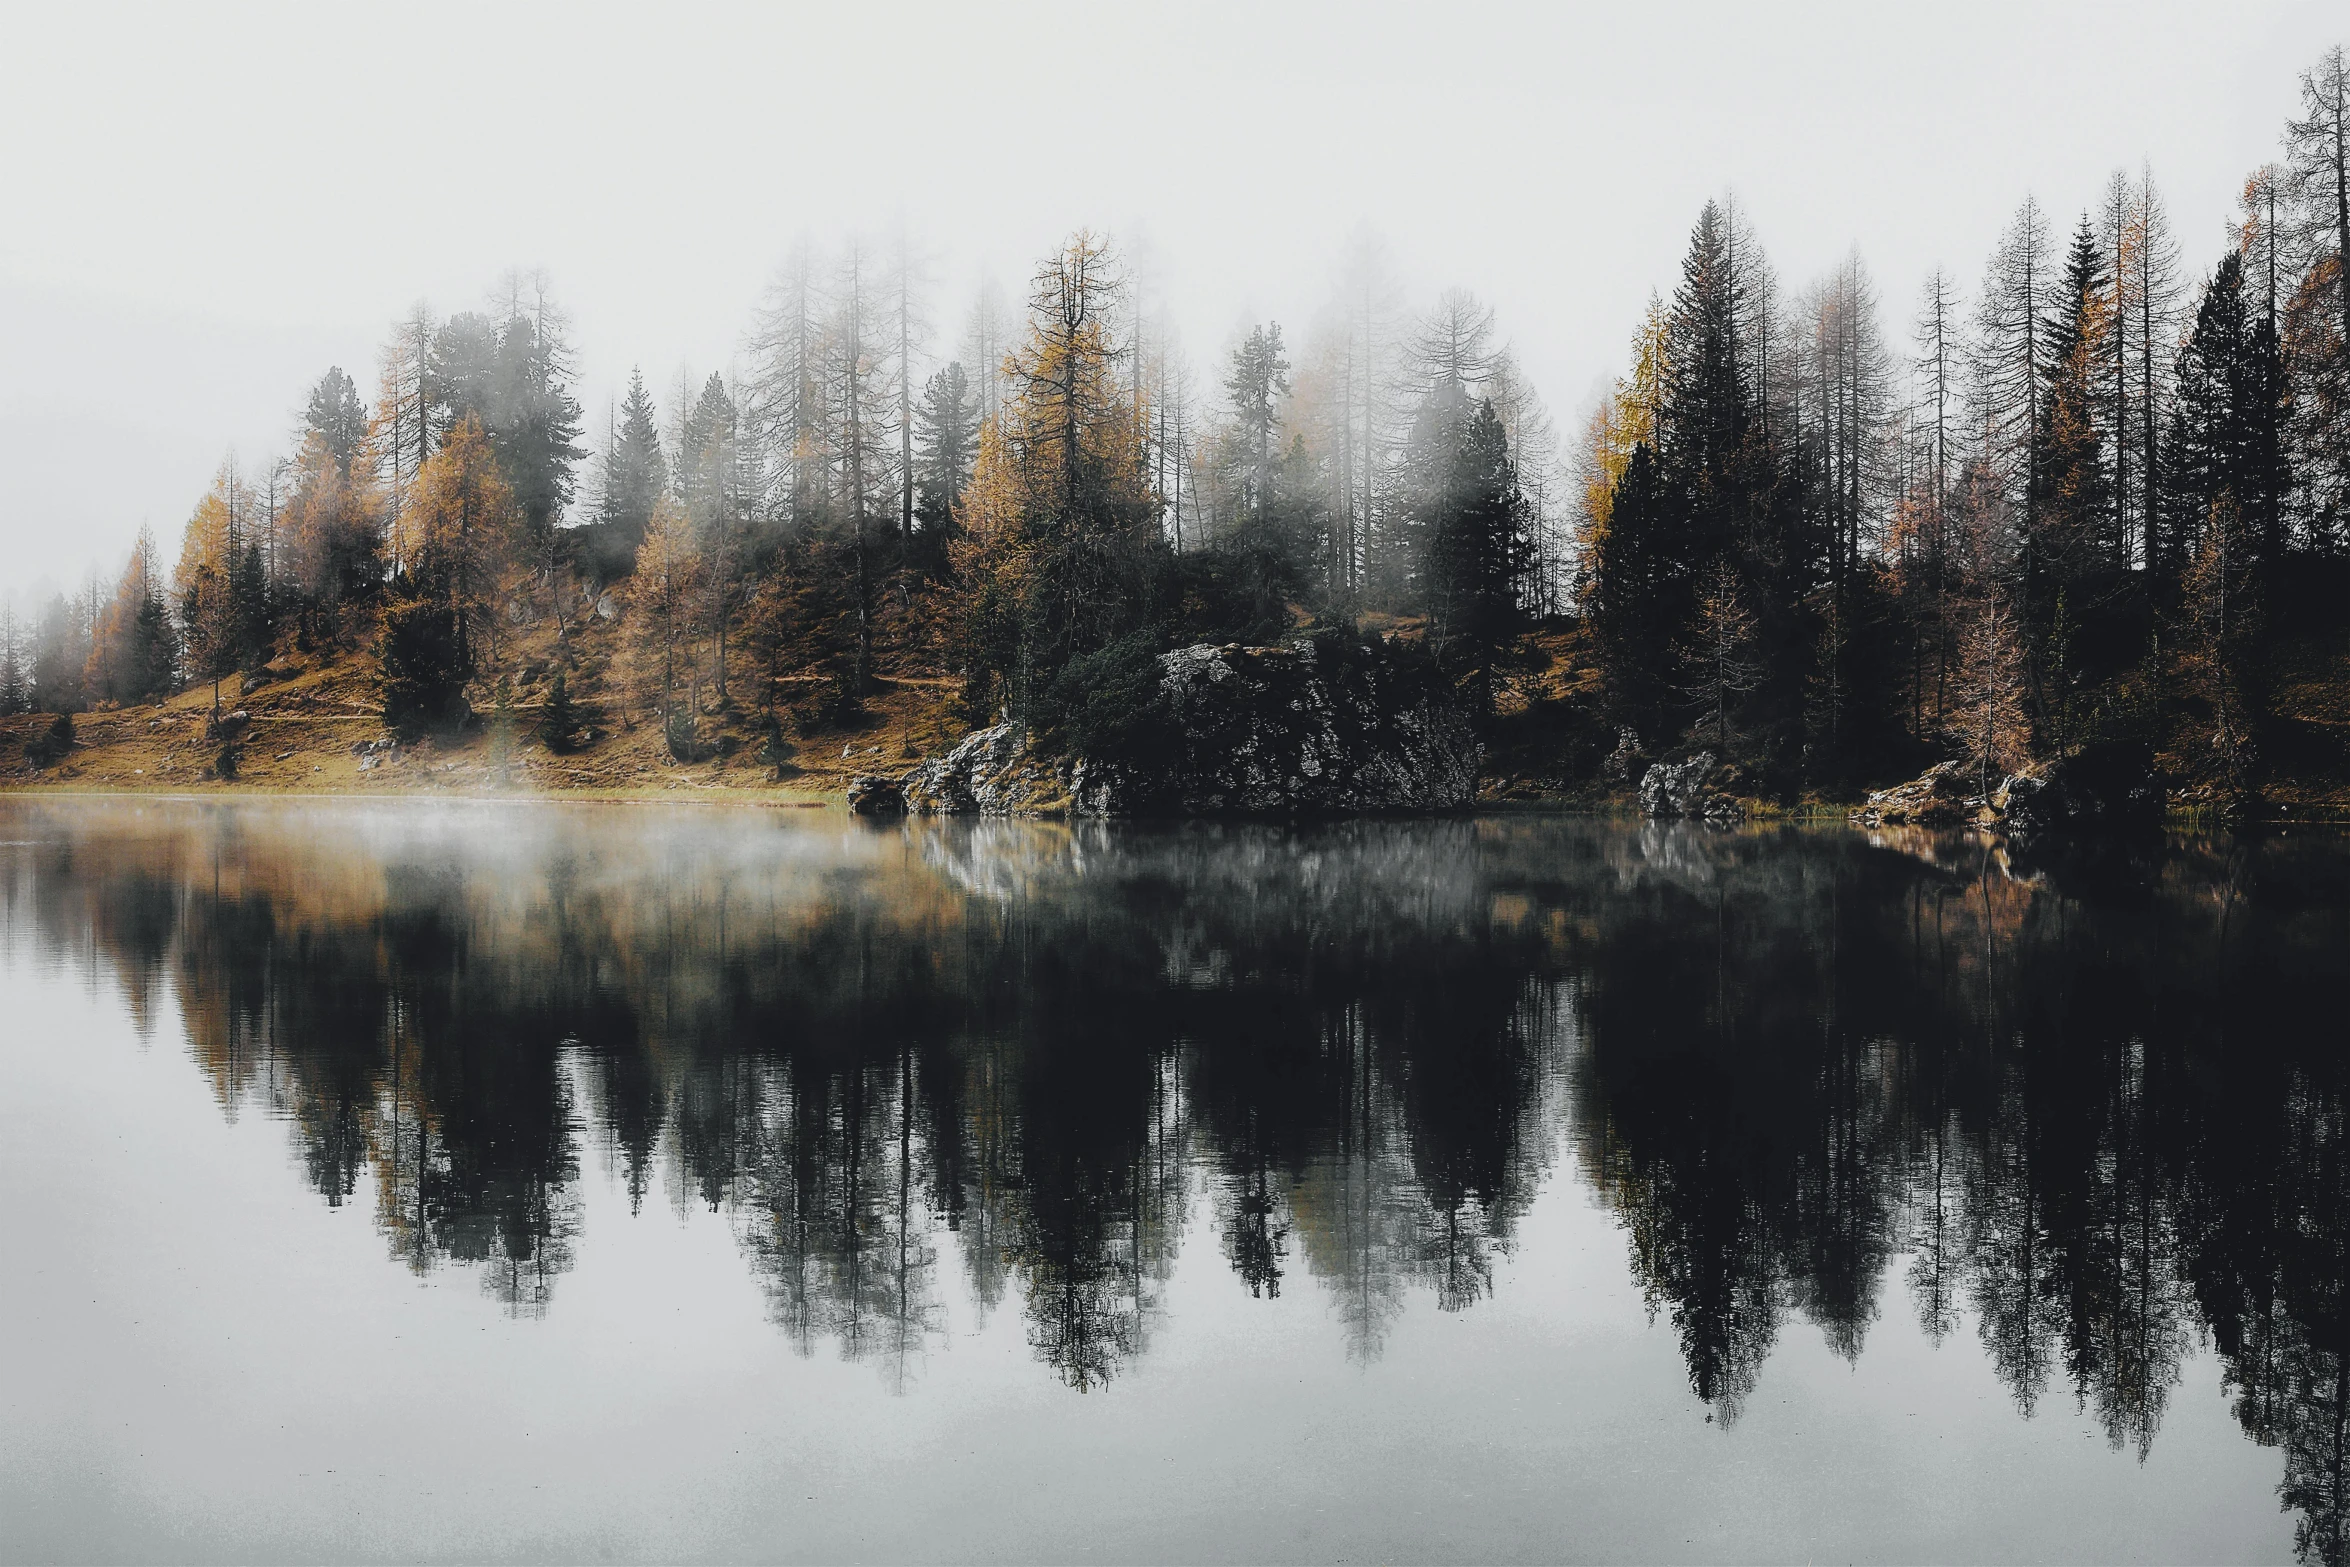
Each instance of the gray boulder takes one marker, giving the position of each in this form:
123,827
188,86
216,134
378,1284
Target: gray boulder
2102,788
990,772
1686,788
1936,798
873,795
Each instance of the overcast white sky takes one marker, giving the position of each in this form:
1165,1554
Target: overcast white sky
201,209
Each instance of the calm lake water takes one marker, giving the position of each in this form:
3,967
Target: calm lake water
460,1182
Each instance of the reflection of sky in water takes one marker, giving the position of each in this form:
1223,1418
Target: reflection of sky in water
1406,1189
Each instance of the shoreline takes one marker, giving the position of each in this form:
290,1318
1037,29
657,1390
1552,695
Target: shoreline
1758,815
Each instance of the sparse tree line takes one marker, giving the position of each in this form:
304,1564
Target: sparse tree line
2098,501
851,506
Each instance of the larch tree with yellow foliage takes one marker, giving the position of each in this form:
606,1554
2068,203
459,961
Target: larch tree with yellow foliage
455,536
663,597
1058,526
218,583
459,531
133,650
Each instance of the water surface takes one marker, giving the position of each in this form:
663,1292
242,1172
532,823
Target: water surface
575,1182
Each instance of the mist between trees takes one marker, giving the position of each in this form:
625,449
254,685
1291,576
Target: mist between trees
2103,495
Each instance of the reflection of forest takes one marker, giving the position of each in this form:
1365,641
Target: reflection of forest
2093,1110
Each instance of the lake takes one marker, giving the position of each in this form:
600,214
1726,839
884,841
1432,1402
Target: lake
431,1181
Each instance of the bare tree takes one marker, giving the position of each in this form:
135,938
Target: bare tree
2017,287
2317,151
907,284
785,401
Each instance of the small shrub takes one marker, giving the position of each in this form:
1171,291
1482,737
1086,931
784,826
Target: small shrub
775,751
684,736
560,721
50,746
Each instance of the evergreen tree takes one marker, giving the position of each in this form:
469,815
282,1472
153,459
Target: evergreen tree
1475,527
337,417
1631,596
1061,540
2070,534
1708,406
512,379
946,424
460,374
2227,429
61,652
334,531
534,420
16,694
1718,659
423,660
1257,382
709,483
560,720
132,649
635,471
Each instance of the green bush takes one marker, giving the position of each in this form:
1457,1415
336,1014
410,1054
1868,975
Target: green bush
50,746
421,674
561,720
1106,704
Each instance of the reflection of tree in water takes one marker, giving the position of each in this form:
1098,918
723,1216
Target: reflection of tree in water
2096,1109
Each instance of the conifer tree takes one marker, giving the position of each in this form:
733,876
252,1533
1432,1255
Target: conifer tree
61,652
132,652
1060,524
635,471
2317,145
947,439
337,417
1987,719
709,475
2227,430
534,420
214,583
2005,387
1633,577
15,688
560,720
334,531
1719,659
1257,382
2220,607
786,405
665,596
2069,535
461,529
1472,522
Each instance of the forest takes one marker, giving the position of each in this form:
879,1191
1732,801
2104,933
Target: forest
2098,498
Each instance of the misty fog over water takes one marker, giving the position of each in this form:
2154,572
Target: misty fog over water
508,1180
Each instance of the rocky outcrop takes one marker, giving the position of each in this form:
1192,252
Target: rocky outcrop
990,772
1936,798
1623,764
873,795
1687,788
1315,727
2102,788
